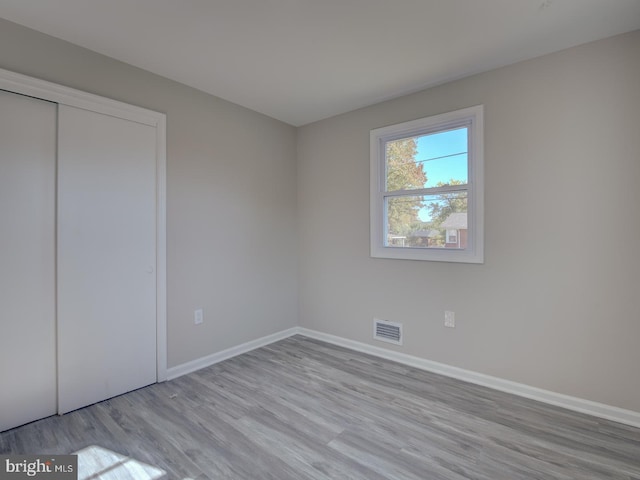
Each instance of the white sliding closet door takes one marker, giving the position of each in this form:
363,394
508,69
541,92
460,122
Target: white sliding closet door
27,259
106,257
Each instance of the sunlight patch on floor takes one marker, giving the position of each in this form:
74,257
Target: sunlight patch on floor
97,463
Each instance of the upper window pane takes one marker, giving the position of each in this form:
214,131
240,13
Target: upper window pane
427,161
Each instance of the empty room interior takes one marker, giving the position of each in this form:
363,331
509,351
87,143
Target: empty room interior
320,239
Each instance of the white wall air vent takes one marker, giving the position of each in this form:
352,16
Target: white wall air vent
390,332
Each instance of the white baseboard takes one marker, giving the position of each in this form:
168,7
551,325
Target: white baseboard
601,410
608,412
197,364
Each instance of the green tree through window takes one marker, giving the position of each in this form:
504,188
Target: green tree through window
403,173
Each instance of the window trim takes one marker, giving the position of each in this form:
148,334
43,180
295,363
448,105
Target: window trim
471,117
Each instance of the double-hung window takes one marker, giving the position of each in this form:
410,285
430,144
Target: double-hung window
427,188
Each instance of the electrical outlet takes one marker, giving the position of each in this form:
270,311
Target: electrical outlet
198,316
449,319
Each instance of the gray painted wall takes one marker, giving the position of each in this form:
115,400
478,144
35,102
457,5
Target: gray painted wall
231,195
556,303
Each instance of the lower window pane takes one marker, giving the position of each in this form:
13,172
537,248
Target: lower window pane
427,221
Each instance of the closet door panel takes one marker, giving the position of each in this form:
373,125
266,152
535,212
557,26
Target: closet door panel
27,259
106,257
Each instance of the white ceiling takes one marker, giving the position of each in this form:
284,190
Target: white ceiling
303,60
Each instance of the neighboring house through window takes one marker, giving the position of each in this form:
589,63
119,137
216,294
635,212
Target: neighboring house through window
456,227
427,188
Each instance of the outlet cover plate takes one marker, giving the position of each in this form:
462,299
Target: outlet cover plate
449,319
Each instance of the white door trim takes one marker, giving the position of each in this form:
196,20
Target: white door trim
33,87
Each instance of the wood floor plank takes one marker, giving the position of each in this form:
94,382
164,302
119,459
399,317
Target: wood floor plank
301,409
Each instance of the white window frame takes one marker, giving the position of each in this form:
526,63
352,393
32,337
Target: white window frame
472,118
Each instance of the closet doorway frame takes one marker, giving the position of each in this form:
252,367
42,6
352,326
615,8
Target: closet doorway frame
53,92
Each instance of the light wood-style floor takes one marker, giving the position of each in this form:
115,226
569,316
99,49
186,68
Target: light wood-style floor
302,409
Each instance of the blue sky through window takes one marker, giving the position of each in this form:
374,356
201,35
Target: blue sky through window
443,156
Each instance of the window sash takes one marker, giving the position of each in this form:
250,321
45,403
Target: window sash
465,123
412,193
